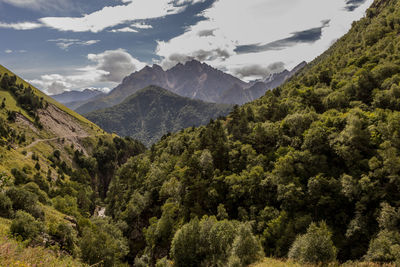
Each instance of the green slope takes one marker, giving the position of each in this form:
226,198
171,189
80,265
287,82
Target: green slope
4,70
153,112
55,167
324,147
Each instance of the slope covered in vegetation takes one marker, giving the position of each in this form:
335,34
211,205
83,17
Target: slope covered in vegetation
310,170
55,168
153,112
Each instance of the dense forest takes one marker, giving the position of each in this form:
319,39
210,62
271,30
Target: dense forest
153,112
310,172
311,167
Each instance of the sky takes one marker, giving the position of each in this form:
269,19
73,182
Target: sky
63,45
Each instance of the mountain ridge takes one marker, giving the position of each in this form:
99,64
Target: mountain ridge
193,79
152,112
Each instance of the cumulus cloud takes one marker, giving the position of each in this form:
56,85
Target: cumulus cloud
258,70
200,55
115,64
67,43
106,70
270,31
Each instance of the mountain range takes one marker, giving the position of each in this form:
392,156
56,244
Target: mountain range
74,99
152,112
308,174
194,80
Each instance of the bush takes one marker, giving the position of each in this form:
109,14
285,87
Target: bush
215,243
65,235
246,246
103,242
6,210
315,246
385,247
22,199
25,226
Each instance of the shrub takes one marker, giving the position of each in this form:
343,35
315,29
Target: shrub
385,247
215,243
315,246
246,246
103,242
22,199
6,210
65,235
25,226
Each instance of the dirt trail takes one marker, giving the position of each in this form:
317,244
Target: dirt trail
53,139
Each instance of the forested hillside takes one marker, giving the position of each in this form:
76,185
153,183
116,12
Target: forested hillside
51,207
153,112
310,171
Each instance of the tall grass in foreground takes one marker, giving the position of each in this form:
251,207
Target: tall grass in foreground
269,262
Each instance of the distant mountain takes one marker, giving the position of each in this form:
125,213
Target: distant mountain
272,81
153,111
74,99
193,79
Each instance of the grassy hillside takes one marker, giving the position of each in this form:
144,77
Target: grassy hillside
4,70
55,167
14,253
153,112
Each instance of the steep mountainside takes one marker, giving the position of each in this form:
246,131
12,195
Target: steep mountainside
153,112
312,167
271,82
193,79
55,168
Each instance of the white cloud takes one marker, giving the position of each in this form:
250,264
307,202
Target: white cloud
21,25
67,43
233,23
109,17
115,64
141,25
106,70
42,5
9,51
125,29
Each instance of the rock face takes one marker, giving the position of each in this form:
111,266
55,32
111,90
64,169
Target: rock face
194,80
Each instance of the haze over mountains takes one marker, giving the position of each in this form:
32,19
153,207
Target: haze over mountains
153,111
194,80
74,99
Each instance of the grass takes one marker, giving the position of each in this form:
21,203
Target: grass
270,262
51,100
18,254
11,103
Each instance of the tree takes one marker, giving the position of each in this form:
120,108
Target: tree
315,246
25,226
103,242
385,247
